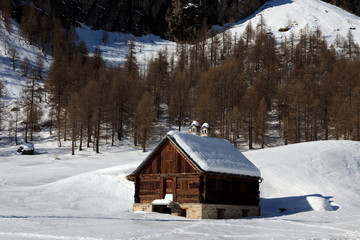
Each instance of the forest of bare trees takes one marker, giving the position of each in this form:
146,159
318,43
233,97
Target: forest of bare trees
249,88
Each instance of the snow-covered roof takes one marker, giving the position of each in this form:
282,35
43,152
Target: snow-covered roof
161,202
214,154
27,146
205,125
195,123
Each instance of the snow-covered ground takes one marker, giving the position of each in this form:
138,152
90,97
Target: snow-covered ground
310,190
54,195
299,14
117,45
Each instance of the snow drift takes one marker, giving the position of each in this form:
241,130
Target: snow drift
316,176
310,186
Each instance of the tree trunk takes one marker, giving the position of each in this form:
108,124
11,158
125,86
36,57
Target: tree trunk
65,126
16,128
250,129
26,126
73,142
88,134
59,126
81,138
98,134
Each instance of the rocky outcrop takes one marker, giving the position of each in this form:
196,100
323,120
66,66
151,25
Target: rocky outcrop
166,18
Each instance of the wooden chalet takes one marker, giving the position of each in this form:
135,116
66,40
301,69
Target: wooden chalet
199,177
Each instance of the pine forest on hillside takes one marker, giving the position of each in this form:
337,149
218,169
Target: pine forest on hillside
249,88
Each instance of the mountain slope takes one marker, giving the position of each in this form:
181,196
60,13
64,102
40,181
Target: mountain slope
300,14
12,79
162,18
278,14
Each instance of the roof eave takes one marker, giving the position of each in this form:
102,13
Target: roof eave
232,174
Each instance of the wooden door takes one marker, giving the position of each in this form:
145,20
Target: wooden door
168,186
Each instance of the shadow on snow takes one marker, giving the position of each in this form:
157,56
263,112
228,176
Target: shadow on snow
275,207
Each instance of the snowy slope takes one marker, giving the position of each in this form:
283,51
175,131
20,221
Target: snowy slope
297,14
329,170
113,51
13,79
314,184
117,46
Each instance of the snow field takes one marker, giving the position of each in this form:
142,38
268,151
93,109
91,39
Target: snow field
310,190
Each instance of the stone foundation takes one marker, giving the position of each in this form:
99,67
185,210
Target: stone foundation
204,211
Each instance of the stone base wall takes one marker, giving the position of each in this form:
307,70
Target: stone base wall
204,211
145,207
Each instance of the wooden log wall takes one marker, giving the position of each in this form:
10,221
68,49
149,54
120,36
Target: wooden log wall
184,187
222,189
169,172
168,160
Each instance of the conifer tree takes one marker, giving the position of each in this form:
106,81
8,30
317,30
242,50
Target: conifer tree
144,119
31,106
261,121
249,107
131,66
5,7
25,67
249,34
214,47
73,111
56,84
179,99
236,125
39,65
16,110
350,43
2,107
14,55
